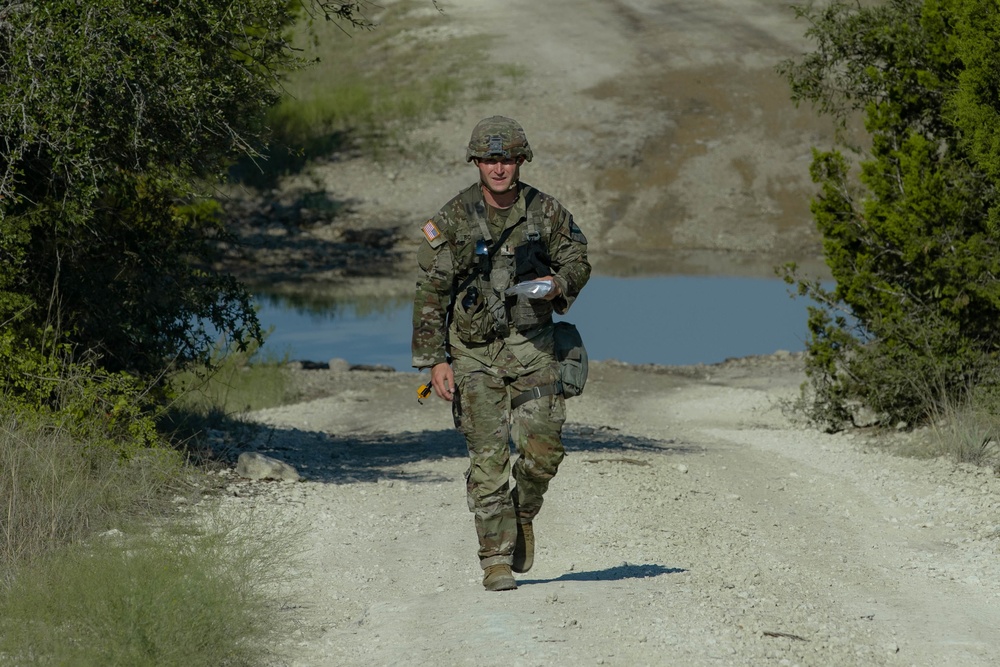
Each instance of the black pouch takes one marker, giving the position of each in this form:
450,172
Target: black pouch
531,261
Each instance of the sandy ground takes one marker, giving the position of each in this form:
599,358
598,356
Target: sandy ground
695,521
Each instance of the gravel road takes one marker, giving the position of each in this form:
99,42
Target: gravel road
695,521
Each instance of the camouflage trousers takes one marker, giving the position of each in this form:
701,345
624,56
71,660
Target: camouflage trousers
482,413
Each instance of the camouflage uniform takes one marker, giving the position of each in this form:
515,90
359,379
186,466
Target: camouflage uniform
499,347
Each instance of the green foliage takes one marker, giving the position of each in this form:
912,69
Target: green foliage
912,242
107,410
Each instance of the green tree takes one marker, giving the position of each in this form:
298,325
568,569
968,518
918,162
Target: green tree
116,116
912,236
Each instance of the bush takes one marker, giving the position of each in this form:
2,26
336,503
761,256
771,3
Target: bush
117,117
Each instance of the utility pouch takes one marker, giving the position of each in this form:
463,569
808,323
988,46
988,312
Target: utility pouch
527,313
471,320
572,358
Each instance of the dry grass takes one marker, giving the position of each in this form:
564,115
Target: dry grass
55,491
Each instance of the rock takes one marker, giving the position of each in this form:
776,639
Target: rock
338,365
252,465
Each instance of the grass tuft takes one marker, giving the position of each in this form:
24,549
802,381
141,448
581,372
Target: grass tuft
967,430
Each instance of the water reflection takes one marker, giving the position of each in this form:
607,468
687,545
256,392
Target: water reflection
671,320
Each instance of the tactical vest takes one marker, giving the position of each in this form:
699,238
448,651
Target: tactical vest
485,267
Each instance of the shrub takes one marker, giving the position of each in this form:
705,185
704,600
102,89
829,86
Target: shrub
912,237
116,118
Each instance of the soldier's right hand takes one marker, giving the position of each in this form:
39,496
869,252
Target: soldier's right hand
443,380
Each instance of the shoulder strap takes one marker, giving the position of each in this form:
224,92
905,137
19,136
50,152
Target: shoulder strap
475,209
530,213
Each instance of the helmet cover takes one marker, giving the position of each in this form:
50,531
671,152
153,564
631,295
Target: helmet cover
498,137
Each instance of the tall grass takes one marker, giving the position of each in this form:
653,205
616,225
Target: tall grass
366,79
171,598
966,428
55,491
217,398
238,383
98,567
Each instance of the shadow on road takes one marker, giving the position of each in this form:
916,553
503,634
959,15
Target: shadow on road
345,459
617,573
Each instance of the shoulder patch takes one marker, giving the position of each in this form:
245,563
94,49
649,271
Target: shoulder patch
432,234
575,233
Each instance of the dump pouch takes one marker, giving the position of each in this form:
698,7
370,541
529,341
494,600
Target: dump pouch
470,317
572,358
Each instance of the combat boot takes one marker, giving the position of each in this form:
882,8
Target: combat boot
524,548
498,578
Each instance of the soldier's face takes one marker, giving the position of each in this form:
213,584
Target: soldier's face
497,174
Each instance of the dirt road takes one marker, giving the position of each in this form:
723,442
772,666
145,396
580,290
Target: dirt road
694,522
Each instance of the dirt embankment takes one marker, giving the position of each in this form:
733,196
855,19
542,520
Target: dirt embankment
662,125
695,520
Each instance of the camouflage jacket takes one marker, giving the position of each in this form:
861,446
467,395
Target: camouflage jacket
466,267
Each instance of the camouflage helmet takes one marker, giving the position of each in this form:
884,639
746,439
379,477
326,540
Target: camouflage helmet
498,137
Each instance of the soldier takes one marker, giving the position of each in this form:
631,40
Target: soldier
491,353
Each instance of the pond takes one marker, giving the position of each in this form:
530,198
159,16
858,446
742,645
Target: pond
669,320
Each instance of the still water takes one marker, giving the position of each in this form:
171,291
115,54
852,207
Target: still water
670,320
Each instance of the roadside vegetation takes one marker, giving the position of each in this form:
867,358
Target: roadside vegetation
121,347
101,564
911,330
99,567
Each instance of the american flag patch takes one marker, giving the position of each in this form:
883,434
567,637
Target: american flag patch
431,231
